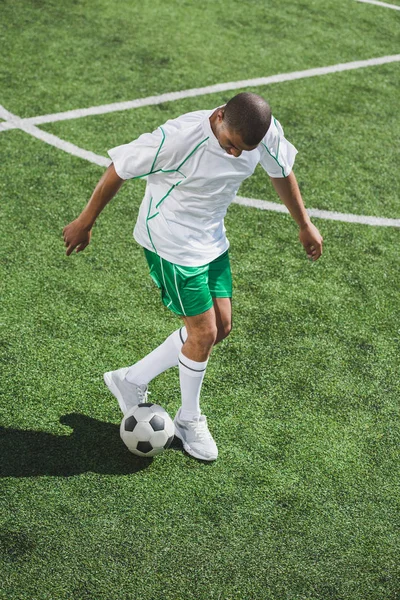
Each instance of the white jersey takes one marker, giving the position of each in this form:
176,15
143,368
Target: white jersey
191,181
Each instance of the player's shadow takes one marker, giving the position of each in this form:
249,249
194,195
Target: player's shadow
92,446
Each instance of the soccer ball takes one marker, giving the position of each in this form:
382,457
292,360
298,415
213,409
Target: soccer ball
147,429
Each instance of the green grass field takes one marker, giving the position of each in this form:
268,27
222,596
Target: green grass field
302,399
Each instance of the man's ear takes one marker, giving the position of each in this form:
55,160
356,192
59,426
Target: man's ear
220,115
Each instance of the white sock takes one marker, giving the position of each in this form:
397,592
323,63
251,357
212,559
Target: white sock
161,359
191,375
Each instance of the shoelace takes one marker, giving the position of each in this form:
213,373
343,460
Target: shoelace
199,427
142,394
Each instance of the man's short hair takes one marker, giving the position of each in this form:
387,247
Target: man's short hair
249,115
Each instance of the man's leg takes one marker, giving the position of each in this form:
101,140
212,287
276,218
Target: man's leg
190,425
204,331
129,384
159,360
193,358
166,355
223,317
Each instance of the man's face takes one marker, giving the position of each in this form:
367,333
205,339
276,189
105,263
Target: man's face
230,140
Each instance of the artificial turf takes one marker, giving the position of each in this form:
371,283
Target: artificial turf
302,399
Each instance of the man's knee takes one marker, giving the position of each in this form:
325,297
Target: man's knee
204,336
224,330
209,335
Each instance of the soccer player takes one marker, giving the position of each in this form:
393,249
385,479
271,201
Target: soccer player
194,166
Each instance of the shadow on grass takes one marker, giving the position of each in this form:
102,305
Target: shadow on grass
93,446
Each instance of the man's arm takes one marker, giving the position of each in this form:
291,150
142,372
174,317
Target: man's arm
289,192
77,234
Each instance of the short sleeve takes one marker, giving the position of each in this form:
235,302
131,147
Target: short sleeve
277,154
139,158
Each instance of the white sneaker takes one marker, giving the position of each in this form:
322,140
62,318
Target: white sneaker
127,394
196,438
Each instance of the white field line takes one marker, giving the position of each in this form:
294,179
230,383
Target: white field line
5,125
320,214
384,4
53,140
211,89
250,202
15,122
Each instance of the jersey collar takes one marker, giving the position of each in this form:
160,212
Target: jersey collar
208,130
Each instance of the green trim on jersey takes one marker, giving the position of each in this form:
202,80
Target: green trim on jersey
148,218
147,223
168,193
189,291
275,157
279,141
158,151
193,151
152,172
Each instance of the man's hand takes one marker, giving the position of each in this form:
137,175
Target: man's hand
76,235
312,240
289,192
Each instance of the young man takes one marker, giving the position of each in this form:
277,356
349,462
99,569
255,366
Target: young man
194,166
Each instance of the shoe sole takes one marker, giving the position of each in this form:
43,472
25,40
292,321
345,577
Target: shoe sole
190,450
115,391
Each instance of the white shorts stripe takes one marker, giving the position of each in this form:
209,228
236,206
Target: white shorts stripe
177,291
162,271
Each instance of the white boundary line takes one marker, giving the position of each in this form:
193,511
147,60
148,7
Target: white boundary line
14,122
53,140
384,4
211,89
320,214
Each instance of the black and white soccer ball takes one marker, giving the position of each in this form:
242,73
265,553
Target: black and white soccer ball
147,429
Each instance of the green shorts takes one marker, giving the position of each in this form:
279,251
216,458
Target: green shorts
189,291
